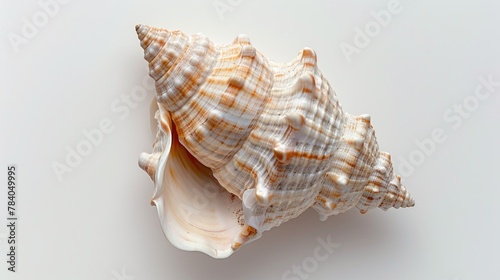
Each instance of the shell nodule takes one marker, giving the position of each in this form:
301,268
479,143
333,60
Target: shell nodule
245,144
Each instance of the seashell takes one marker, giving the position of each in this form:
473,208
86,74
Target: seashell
245,144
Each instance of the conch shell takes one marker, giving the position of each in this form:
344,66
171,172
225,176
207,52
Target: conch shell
245,144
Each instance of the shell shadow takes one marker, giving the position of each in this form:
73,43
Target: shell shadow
361,238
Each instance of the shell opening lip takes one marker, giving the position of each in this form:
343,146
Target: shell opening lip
196,213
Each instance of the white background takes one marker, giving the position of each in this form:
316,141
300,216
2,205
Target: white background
96,222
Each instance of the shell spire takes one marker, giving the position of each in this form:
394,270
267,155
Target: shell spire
245,144
152,40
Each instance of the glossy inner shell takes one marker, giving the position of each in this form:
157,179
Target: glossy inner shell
203,216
